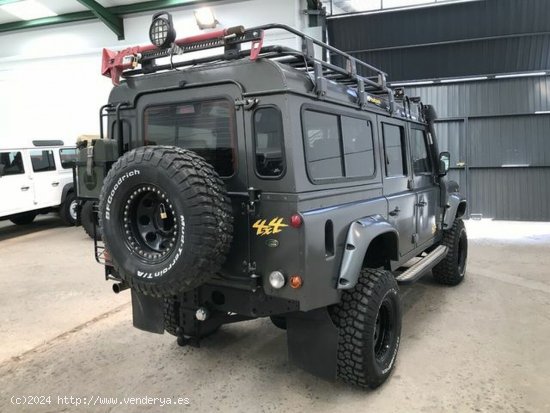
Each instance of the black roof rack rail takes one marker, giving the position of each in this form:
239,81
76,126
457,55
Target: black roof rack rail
45,142
368,82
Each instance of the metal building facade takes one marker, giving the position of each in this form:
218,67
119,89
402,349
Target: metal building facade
500,146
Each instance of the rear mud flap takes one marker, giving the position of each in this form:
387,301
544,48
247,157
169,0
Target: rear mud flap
312,342
148,313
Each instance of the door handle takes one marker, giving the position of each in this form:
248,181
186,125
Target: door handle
395,212
422,204
55,183
25,188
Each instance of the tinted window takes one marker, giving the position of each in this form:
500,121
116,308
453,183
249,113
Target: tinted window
394,149
206,128
358,147
68,157
268,135
11,163
323,146
42,161
421,159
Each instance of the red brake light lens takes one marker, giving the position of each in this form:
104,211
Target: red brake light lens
296,221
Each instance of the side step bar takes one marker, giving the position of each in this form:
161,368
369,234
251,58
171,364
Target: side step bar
425,264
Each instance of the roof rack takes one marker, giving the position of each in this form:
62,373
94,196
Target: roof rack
368,82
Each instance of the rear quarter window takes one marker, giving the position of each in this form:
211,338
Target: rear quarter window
11,163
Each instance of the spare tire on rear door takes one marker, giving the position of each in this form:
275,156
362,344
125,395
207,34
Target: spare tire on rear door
166,219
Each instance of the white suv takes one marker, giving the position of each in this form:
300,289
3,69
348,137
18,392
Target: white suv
37,180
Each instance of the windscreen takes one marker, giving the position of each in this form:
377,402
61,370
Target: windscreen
207,128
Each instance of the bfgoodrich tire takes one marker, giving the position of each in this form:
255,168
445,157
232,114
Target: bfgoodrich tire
166,220
369,322
89,219
451,270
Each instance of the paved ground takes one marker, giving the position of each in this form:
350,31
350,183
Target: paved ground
480,347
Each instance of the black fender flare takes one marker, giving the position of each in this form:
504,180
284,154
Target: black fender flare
66,189
360,235
455,208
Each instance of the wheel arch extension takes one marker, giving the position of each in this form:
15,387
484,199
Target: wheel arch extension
66,189
371,241
456,208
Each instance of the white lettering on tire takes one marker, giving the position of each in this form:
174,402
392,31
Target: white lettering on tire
115,188
160,273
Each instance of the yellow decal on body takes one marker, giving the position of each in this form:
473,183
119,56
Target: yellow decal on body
373,100
274,227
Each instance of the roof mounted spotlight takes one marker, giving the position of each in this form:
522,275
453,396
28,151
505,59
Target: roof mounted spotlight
162,32
205,18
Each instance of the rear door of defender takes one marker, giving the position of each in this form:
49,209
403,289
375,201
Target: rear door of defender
207,121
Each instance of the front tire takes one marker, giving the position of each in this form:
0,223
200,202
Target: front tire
451,270
369,322
67,212
89,218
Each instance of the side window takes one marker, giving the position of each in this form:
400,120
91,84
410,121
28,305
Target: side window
268,139
420,154
323,145
394,150
42,161
11,163
358,147
68,158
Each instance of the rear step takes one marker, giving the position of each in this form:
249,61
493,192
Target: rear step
425,264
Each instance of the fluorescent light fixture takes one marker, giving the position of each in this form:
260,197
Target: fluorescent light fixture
515,165
27,10
422,82
205,18
520,75
542,112
463,79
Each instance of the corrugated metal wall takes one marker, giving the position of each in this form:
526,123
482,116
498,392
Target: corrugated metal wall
492,128
454,39
500,149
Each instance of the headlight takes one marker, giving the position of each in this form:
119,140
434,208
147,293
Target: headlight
161,32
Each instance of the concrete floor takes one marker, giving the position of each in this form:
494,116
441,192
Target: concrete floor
481,347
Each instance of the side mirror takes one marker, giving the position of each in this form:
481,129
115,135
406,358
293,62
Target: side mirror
444,163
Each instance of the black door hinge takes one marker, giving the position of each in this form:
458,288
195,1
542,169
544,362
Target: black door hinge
254,196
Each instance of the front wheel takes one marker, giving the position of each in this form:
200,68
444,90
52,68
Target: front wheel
369,321
67,211
451,270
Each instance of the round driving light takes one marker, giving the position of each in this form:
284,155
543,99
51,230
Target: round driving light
296,221
296,281
277,279
161,32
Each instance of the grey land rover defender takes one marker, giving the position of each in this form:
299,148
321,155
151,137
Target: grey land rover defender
268,182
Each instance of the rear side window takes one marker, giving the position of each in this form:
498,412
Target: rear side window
323,145
358,147
268,140
394,150
207,128
68,158
11,163
42,161
421,158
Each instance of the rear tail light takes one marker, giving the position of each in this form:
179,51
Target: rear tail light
296,281
296,221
